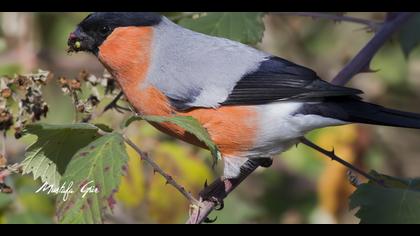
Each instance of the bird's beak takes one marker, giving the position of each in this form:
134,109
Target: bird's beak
75,41
79,41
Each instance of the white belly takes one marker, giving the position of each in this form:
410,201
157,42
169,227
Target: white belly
279,129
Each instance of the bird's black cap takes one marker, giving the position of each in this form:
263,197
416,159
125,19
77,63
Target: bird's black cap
96,27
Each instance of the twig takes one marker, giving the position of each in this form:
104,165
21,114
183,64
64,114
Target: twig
169,180
334,157
357,65
374,25
75,102
361,61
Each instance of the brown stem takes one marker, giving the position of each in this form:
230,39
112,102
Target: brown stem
361,61
169,180
75,101
334,157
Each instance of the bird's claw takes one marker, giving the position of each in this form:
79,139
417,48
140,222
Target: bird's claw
208,220
265,162
220,205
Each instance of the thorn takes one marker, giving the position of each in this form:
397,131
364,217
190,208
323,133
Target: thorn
208,220
368,69
169,179
154,171
205,184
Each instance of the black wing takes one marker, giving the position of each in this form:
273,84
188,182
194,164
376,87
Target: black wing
278,79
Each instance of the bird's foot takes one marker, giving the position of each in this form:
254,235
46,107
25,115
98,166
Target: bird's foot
265,162
215,192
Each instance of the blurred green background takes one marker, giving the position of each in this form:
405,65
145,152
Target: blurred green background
301,187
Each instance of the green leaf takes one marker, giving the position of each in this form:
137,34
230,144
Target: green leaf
245,27
397,203
99,166
49,156
188,123
409,36
104,127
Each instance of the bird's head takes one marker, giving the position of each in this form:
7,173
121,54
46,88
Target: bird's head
97,27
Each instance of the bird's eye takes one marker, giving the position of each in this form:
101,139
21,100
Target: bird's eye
104,30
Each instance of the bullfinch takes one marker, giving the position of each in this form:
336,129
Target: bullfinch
253,104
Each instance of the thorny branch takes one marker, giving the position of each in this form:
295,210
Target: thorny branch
360,63
334,157
156,168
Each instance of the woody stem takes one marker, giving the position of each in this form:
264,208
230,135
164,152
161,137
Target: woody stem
334,157
156,168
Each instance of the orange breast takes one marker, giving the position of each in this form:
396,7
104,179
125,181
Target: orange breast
232,128
126,53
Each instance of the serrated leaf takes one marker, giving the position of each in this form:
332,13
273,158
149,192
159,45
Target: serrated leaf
188,123
409,36
49,156
396,203
245,27
99,166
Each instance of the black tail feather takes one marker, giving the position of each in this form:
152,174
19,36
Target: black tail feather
352,109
